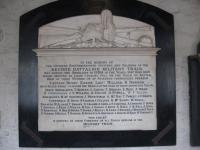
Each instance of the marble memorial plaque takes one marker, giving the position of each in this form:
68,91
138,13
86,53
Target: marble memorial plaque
96,73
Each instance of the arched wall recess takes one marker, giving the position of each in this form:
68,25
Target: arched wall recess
154,29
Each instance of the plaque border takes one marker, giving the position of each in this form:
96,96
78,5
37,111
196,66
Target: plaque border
166,88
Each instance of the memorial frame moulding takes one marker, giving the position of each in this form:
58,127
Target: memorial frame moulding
29,136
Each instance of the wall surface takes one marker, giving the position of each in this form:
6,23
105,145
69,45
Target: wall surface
187,34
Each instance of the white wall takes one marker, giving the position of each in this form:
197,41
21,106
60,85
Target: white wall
187,35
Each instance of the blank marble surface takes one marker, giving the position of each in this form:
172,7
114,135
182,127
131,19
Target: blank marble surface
187,34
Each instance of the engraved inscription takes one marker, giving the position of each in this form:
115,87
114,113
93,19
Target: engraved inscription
97,93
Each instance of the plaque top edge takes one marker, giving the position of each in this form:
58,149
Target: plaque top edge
98,49
97,52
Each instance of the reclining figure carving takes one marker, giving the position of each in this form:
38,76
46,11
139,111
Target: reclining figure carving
104,34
